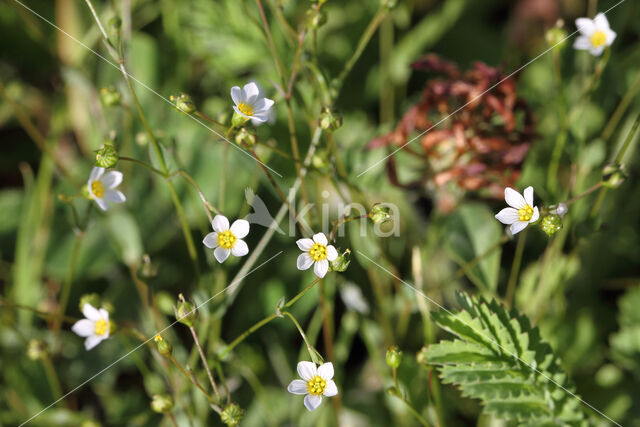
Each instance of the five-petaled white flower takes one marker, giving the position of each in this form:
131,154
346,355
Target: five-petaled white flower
521,213
595,34
315,383
95,327
102,187
250,104
227,240
318,252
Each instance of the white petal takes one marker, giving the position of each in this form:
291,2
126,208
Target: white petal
586,26
321,268
240,248
84,328
596,51
298,387
104,314
331,389
251,92
92,341
221,254
307,370
304,261
220,223
90,312
601,22
112,179
508,216
259,118
311,402
96,173
240,228
514,199
320,238
332,254
610,36
211,240
326,371
517,227
582,43
528,195
102,204
304,244
535,216
114,196
263,105
237,95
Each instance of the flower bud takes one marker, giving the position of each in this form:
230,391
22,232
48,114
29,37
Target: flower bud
319,161
110,96
421,356
186,312
379,214
613,175
341,263
330,120
557,36
560,210
231,414
37,349
107,156
316,18
91,299
551,224
394,357
389,4
245,138
164,348
393,392
162,403
183,103
238,120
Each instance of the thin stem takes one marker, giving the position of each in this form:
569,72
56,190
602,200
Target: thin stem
415,413
612,124
208,206
585,194
66,287
515,269
204,362
190,378
172,418
209,119
145,164
43,314
52,377
310,349
470,264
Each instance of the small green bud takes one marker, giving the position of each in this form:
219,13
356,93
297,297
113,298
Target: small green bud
551,224
108,305
107,156
316,18
341,263
162,403
183,103
91,299
319,161
421,357
379,214
245,138
557,36
393,392
37,349
613,175
186,312
330,120
142,139
115,24
394,357
231,414
110,96
238,120
389,4
164,347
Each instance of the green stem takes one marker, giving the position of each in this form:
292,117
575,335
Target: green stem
264,321
52,377
612,124
145,164
66,287
415,413
515,269
204,362
310,349
190,378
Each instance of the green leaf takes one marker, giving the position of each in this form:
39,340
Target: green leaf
501,360
625,344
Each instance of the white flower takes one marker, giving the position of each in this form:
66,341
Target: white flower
318,252
521,213
95,327
560,210
315,383
595,34
102,187
250,104
227,240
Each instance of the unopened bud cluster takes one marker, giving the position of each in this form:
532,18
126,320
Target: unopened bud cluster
231,414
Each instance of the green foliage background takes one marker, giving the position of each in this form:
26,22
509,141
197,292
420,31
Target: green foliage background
579,288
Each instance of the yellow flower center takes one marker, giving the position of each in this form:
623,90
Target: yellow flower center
598,39
100,327
525,213
158,338
245,109
318,252
316,385
226,239
97,189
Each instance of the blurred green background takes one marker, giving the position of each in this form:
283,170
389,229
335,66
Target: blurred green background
581,287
